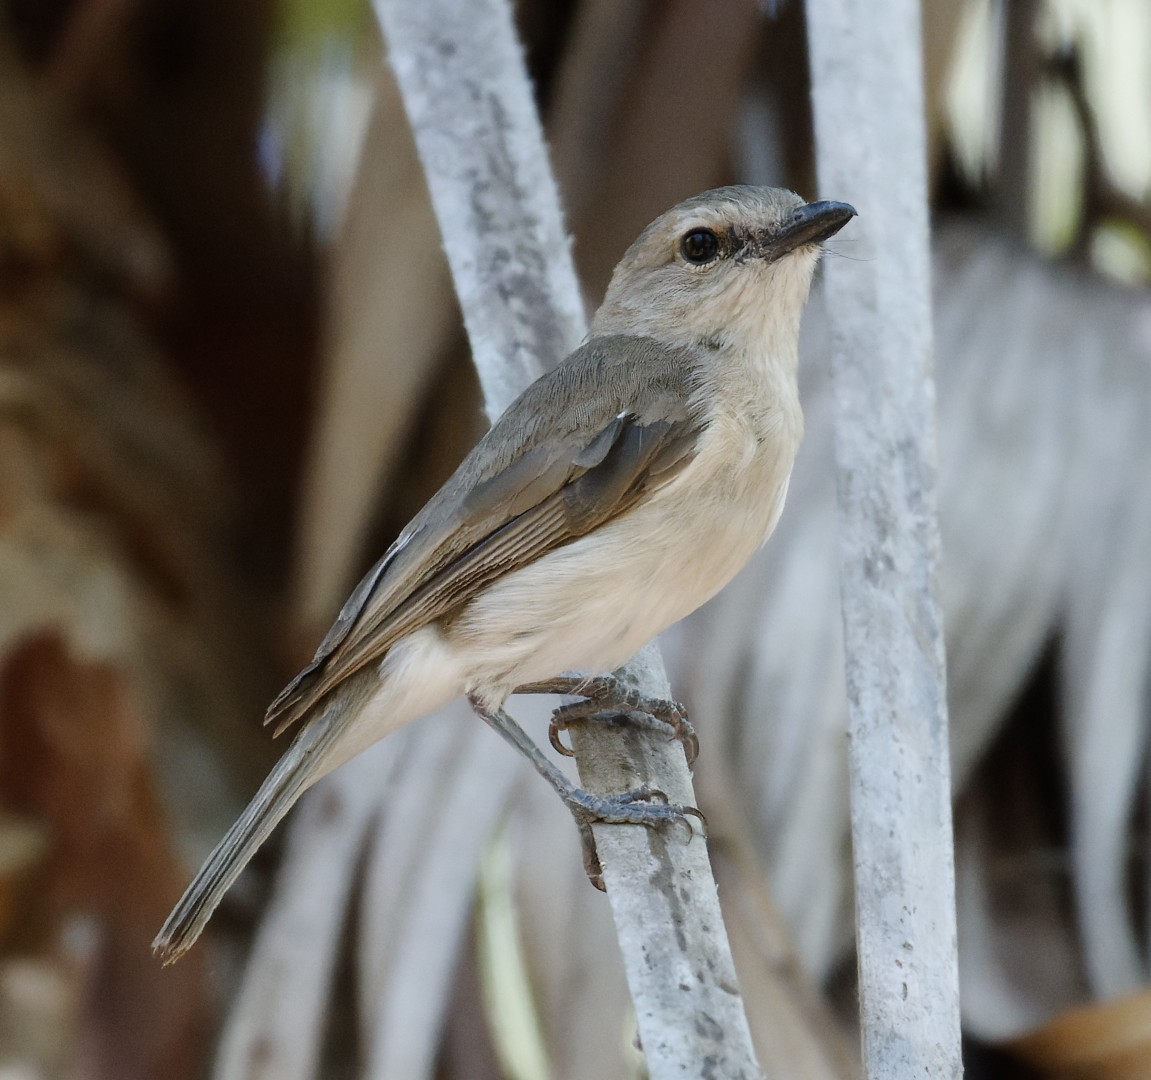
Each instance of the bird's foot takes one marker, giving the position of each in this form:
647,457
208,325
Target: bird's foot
608,701
640,806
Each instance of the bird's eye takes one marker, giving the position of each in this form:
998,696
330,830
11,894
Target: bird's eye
699,246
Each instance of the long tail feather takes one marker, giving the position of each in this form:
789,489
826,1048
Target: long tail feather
305,760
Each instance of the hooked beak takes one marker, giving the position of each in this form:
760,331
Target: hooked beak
810,224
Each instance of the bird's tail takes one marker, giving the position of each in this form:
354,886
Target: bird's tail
304,762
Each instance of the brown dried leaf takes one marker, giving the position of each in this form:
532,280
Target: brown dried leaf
73,756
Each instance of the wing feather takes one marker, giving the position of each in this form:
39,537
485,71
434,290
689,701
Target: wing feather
506,508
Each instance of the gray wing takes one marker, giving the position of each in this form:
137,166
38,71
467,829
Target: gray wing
541,477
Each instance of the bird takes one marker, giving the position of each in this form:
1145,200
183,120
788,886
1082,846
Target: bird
619,492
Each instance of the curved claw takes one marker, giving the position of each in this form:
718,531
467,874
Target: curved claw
695,812
591,864
643,794
691,811
689,739
558,745
674,714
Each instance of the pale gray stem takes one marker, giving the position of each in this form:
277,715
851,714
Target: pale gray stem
461,73
868,106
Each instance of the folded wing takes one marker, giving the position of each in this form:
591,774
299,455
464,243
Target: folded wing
542,477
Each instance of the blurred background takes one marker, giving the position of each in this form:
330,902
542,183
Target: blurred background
231,367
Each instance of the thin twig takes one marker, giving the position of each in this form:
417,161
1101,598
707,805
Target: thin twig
461,73
868,106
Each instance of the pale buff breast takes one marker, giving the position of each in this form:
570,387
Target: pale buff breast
592,604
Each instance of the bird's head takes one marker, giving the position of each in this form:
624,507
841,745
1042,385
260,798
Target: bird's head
729,267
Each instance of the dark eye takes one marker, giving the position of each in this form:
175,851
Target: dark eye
699,246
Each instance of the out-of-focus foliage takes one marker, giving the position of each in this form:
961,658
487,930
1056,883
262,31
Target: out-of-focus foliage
112,501
319,98
1087,119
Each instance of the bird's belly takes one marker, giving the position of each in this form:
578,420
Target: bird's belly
593,603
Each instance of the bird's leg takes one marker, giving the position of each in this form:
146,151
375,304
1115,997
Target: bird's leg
640,806
608,700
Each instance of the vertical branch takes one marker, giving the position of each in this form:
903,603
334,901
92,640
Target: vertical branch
461,74
462,77
868,105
